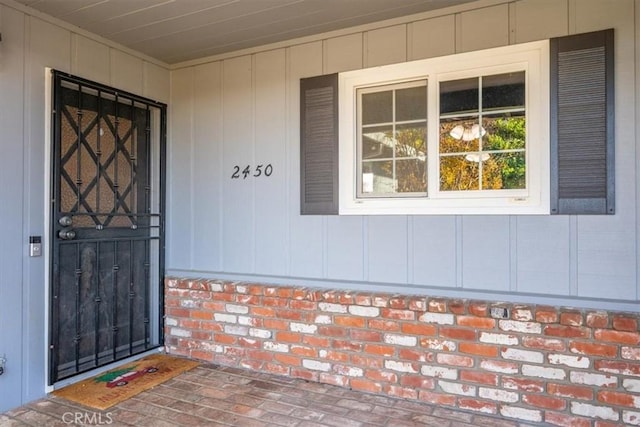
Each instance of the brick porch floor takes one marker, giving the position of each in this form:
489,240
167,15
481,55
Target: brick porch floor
218,396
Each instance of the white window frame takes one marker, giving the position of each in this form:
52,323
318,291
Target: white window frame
533,58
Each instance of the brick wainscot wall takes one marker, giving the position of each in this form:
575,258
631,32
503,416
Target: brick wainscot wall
556,365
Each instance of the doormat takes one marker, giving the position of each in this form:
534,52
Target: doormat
112,387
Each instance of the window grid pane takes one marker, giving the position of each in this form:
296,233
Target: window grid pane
482,141
392,149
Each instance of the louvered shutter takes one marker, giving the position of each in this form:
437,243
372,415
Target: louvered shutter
319,145
582,124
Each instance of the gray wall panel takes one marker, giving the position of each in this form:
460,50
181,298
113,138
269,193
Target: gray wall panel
485,253
433,250
388,256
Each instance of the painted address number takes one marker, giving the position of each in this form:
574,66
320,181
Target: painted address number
260,170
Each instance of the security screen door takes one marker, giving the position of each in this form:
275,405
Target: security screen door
107,225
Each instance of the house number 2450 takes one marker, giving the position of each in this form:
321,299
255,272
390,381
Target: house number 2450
259,170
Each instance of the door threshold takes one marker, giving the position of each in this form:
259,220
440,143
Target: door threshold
88,374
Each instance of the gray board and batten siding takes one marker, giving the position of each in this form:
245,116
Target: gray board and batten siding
244,110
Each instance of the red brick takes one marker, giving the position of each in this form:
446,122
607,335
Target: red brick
632,338
571,391
301,350
287,359
275,302
476,322
255,289
262,311
276,324
391,313
381,350
365,385
567,331
616,398
543,343
376,375
458,334
623,323
346,299
545,314
479,309
523,384
222,296
347,345
172,302
420,356
479,349
385,325
200,295
363,300
616,367
190,324
437,305
201,335
332,331
350,321
200,355
339,380
455,360
201,314
250,343
593,349
479,377
304,374
177,312
367,362
212,326
267,356
457,307
544,402
360,335
401,392
564,420
316,341
418,304
330,296
477,405
216,306
248,299
417,382
224,339
380,300
437,398
284,336
276,369
600,423
397,303
303,305
571,318
292,315
597,320
419,329
337,356
229,287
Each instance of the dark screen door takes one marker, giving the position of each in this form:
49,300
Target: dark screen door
107,224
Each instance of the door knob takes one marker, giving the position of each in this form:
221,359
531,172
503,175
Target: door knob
67,234
65,221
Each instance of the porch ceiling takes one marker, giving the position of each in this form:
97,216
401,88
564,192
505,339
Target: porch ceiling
180,30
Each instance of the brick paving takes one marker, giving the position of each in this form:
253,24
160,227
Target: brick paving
211,395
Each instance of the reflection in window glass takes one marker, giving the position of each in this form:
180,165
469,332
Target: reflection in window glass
483,133
392,130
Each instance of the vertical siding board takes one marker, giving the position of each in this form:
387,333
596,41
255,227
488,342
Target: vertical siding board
156,82
344,251
606,250
386,46
305,231
543,249
179,196
433,37
433,251
126,72
484,28
485,251
91,59
238,146
388,253
270,148
207,146
530,13
12,197
48,46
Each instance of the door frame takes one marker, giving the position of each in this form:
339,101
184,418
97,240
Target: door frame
47,243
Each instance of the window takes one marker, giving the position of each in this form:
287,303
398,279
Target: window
522,129
460,134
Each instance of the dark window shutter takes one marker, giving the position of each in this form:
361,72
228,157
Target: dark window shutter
582,124
319,145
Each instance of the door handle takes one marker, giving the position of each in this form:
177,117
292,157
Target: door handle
65,221
67,234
